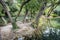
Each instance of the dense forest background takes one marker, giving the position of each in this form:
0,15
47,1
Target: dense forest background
43,16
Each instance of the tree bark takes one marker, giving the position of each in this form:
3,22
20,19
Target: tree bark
24,3
26,14
6,10
8,13
41,12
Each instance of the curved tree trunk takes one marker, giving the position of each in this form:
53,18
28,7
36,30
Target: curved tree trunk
8,13
6,10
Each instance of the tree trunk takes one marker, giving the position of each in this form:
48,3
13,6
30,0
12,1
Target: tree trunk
26,14
24,3
31,15
6,10
41,12
8,13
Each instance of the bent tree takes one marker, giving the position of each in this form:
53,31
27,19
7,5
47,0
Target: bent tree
2,2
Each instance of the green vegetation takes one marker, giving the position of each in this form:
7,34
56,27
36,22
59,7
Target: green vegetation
42,14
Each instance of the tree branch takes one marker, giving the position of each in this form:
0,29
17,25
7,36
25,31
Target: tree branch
6,10
24,3
41,12
8,13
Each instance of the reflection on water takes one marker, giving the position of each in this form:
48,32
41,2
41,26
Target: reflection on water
48,34
51,34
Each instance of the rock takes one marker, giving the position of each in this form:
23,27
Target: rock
8,34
